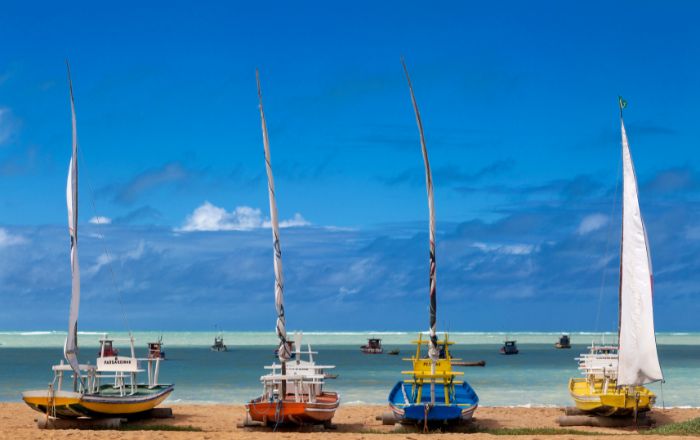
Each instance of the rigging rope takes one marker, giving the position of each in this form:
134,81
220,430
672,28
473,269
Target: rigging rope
607,247
113,276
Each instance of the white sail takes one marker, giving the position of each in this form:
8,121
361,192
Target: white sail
638,360
71,345
283,352
433,349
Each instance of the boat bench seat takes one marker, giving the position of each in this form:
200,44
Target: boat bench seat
454,382
437,375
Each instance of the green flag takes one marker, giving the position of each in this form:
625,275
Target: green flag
623,103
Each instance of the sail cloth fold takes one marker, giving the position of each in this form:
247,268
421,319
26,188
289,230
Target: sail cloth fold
638,359
71,346
283,352
433,351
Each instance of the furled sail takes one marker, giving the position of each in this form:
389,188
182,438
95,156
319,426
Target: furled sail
283,352
71,346
638,359
433,350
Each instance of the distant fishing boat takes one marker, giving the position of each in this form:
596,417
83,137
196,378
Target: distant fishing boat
155,349
614,376
110,387
373,346
394,352
431,394
219,343
107,348
509,347
293,390
563,342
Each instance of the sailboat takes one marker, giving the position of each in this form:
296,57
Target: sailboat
432,393
108,388
293,390
615,375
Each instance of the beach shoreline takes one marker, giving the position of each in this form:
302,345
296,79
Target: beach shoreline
17,421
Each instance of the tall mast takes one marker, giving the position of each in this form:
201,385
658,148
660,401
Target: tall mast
622,104
433,351
71,346
638,361
283,352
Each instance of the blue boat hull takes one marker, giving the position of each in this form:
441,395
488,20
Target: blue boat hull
461,405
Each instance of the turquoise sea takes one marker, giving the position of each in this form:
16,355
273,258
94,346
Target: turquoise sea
536,377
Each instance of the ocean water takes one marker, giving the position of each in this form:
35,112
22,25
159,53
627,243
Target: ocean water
538,376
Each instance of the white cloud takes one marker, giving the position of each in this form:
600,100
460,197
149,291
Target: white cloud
508,249
592,223
136,254
295,221
7,239
100,220
517,249
209,217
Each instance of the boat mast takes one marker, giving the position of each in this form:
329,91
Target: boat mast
433,351
70,349
622,104
283,352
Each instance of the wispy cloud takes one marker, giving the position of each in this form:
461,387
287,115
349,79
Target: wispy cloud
575,188
673,180
592,223
100,220
208,217
143,214
129,192
649,128
9,239
9,125
451,175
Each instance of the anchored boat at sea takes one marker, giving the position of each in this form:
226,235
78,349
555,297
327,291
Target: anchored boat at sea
615,375
373,346
110,386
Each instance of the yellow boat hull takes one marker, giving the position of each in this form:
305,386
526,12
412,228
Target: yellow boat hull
67,404
593,397
62,402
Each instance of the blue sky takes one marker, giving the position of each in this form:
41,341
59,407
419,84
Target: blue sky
519,107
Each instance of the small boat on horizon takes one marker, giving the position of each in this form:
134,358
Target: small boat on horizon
155,349
394,352
509,347
614,375
293,390
373,346
219,343
563,342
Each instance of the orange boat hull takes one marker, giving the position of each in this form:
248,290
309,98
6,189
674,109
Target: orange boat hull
291,412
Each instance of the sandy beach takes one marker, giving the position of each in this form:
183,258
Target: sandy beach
353,422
